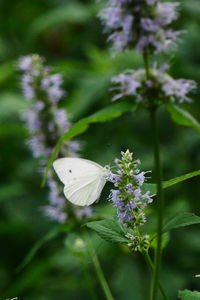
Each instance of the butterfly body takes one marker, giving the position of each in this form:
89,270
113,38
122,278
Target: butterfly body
83,179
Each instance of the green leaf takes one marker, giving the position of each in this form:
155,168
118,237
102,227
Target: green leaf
105,115
152,187
109,230
189,295
181,220
182,117
176,180
49,236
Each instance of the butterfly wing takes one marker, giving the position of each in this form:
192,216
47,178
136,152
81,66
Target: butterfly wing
98,188
83,179
84,192
70,169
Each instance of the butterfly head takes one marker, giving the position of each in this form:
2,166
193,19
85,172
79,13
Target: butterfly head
107,170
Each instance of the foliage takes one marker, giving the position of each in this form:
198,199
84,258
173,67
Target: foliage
69,36
189,295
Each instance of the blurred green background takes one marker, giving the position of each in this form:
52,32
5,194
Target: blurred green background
69,35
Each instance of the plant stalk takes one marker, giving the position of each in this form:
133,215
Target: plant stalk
151,267
101,277
160,202
146,65
88,280
160,196
99,271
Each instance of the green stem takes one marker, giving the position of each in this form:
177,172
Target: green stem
99,271
146,64
160,198
160,202
88,280
151,267
101,277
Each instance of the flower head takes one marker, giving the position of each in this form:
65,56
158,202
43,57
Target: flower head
143,25
161,85
128,198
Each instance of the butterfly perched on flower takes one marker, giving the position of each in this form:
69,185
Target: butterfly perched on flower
83,179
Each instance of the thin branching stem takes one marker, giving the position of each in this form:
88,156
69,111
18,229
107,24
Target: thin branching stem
160,196
88,279
146,64
99,270
151,267
160,201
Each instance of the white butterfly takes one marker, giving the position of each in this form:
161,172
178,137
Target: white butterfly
83,179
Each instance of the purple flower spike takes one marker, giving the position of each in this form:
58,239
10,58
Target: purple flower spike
46,123
128,197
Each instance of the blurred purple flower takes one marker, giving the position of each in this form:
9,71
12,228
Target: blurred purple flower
46,123
140,24
162,86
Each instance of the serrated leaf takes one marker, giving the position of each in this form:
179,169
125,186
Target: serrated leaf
189,295
182,117
109,230
181,220
104,115
46,238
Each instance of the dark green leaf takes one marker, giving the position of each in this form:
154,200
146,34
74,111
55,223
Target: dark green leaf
152,187
109,230
189,295
176,180
182,220
182,117
105,115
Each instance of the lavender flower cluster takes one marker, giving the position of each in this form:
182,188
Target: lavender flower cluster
46,123
159,85
140,24
128,197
